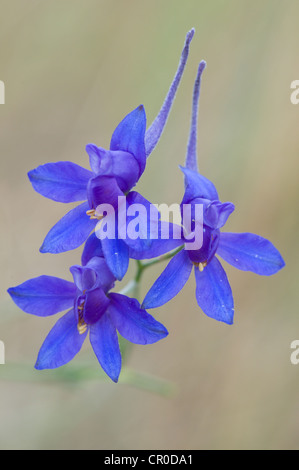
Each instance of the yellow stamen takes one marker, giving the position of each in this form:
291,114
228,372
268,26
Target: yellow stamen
92,214
81,326
201,266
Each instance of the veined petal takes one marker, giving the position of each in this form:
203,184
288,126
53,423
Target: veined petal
92,247
146,234
170,282
61,181
250,252
208,249
94,274
44,295
154,132
217,213
191,157
62,343
120,165
70,231
84,278
95,305
116,254
213,292
159,246
139,214
133,322
129,136
105,278
104,341
103,190
197,186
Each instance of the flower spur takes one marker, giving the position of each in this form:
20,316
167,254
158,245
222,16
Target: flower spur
245,251
113,174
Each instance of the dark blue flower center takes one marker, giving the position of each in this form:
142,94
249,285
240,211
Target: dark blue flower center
203,256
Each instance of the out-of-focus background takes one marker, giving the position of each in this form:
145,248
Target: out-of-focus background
72,70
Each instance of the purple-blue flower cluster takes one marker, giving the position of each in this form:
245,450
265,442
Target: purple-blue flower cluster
93,307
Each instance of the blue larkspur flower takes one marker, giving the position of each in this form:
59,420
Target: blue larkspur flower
245,251
93,309
113,174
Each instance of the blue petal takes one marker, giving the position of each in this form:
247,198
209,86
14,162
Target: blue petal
138,226
197,186
134,323
159,246
95,305
44,295
62,343
121,165
105,278
103,190
217,213
170,282
210,241
84,278
155,130
94,274
92,247
129,136
147,235
250,252
70,231
61,181
213,292
116,254
104,341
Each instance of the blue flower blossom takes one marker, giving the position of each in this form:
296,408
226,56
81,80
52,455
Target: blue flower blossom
113,174
93,309
245,251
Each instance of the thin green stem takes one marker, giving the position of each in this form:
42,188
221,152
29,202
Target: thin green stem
133,285
165,257
140,269
143,265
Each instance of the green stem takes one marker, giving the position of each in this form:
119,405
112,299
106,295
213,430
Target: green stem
133,285
165,257
141,266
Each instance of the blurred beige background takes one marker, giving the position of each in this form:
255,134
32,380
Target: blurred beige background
72,71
